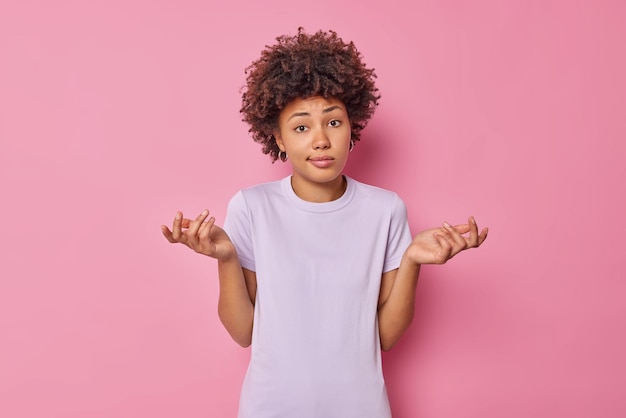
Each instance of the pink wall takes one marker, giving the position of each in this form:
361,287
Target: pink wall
113,115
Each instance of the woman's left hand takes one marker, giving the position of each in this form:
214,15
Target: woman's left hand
438,245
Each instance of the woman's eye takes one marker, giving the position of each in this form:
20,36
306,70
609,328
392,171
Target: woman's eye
334,123
300,128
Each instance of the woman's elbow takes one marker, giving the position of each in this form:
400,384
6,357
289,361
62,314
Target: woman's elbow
242,335
244,342
387,345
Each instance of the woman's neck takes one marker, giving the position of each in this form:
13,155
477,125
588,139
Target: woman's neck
319,192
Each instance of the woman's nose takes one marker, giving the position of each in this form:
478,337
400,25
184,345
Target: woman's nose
320,140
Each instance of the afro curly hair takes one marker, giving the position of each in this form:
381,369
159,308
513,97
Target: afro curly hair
303,66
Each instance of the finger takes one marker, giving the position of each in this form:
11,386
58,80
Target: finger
483,235
185,223
462,228
176,230
444,241
473,238
460,242
443,233
195,225
446,248
205,229
167,234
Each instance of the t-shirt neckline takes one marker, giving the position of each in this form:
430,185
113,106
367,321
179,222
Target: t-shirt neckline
323,207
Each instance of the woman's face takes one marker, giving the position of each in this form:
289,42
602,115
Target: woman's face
315,133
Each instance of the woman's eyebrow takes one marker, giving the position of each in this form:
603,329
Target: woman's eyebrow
295,115
327,110
330,109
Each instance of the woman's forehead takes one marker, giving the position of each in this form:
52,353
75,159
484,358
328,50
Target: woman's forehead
311,105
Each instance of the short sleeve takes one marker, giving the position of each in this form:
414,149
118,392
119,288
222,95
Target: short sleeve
399,236
238,226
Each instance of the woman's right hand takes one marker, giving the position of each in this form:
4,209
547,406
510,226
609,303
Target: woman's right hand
202,237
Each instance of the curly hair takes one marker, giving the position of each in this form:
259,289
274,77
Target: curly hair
303,66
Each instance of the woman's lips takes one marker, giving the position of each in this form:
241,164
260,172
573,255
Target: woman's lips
322,161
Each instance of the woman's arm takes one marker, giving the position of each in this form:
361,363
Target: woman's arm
237,285
236,302
396,303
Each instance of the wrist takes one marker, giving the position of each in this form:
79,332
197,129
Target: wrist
410,262
228,256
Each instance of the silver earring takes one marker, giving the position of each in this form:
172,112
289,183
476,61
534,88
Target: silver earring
351,145
280,157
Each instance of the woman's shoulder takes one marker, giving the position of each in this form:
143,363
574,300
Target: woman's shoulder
369,191
262,187
252,194
255,196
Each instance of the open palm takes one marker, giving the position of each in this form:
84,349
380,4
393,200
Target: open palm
202,236
438,245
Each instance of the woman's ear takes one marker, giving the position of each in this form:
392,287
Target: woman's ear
279,140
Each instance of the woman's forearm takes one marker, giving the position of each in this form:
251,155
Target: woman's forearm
235,309
396,312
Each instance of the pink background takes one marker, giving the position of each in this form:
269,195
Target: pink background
115,114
